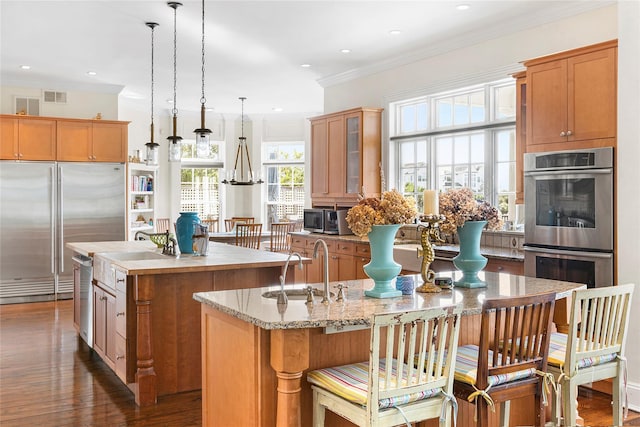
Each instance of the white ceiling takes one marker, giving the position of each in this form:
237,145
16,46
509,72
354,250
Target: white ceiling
253,48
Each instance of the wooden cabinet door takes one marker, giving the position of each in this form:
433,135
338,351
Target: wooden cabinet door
358,264
8,138
592,95
521,134
74,141
99,318
109,142
336,156
319,177
547,103
36,139
353,154
346,267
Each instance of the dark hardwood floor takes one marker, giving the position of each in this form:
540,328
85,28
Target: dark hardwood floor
49,377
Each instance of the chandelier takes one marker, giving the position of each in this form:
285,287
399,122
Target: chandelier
238,176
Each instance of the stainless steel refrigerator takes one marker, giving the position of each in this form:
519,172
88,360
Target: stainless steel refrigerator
44,205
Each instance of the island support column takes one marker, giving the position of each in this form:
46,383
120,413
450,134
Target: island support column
146,391
289,358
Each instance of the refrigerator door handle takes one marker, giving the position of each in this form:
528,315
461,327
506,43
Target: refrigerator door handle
52,203
60,221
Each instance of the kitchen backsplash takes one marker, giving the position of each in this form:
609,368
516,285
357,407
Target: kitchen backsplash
498,239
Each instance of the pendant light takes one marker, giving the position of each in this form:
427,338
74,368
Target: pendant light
152,147
239,177
175,147
202,133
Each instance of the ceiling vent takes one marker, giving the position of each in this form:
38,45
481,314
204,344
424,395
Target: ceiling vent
54,97
27,106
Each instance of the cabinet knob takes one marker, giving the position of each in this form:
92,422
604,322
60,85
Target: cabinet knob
569,133
563,133
120,313
20,154
500,268
334,257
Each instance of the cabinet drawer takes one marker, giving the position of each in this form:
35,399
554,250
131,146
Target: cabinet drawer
344,247
121,282
331,244
298,242
121,358
363,250
121,313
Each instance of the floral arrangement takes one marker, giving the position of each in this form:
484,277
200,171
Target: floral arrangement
459,206
391,208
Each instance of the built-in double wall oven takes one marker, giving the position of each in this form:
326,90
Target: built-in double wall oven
569,214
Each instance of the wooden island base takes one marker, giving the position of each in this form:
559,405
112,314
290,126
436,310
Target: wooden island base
250,373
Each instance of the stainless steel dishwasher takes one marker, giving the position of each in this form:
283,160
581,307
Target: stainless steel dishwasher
83,273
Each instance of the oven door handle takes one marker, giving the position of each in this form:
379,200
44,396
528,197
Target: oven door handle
568,253
569,173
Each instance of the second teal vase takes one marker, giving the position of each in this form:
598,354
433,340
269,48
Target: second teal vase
382,268
470,261
185,226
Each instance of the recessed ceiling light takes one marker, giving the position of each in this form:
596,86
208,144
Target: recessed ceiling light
91,73
345,50
463,7
394,32
25,67
277,109
305,65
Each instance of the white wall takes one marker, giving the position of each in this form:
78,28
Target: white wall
80,104
496,59
628,178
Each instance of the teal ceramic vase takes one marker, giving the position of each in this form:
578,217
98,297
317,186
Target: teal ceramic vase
382,268
185,226
469,261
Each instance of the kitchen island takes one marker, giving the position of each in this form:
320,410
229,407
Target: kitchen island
146,323
256,354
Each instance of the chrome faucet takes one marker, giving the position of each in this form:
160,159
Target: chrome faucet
282,296
325,297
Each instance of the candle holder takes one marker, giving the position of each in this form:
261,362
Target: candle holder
429,231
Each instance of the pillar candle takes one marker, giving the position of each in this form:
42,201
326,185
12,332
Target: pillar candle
430,202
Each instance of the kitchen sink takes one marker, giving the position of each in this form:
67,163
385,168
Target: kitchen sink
296,294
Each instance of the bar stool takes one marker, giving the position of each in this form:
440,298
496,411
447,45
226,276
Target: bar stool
407,378
512,357
593,349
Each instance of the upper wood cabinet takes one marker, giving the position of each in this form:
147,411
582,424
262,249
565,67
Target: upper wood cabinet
521,132
92,141
27,138
571,99
345,156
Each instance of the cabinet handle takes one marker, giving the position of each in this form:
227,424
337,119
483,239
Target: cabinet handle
119,357
103,298
120,313
563,133
120,280
569,133
334,257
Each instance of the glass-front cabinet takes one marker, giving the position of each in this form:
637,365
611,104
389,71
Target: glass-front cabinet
345,162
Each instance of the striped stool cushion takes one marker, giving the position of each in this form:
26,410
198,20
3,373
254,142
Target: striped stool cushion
558,349
466,369
351,383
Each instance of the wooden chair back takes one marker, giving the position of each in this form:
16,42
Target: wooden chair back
519,338
598,324
212,223
163,225
280,237
248,235
231,222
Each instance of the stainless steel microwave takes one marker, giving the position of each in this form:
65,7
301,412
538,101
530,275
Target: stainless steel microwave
313,220
327,221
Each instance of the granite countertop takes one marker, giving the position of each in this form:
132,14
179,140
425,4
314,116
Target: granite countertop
220,257
249,304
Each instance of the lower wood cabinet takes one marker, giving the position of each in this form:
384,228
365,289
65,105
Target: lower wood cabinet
104,324
494,265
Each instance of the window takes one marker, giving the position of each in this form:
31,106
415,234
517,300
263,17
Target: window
284,164
462,138
200,180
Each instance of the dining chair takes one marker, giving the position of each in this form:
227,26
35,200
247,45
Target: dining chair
511,360
280,240
231,222
248,235
408,377
593,349
211,223
162,225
